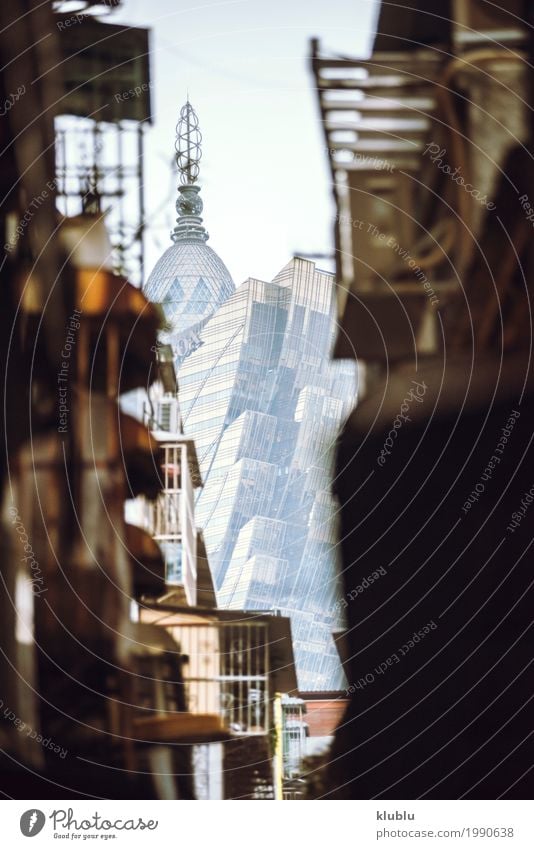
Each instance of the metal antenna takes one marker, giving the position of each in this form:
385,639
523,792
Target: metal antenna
188,155
188,145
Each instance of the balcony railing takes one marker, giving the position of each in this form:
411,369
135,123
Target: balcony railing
226,672
164,521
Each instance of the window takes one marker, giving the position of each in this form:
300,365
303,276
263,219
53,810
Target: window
173,562
199,299
173,298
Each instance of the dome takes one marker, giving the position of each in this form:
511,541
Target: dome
191,282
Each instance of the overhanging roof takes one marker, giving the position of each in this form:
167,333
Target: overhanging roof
282,673
410,27
105,69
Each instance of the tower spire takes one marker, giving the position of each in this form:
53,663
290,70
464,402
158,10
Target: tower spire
188,147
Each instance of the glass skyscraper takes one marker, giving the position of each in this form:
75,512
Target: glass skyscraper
264,404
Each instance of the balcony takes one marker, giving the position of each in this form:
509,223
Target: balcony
169,519
225,671
415,163
163,516
231,663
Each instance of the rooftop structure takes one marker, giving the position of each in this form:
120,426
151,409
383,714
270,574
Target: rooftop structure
189,280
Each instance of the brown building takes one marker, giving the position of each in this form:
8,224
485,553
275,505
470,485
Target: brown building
107,667
430,146
323,714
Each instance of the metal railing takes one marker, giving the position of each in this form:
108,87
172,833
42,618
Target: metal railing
164,520
226,671
170,520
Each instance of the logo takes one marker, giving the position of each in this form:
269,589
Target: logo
32,822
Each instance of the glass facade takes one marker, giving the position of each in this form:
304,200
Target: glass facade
264,404
190,282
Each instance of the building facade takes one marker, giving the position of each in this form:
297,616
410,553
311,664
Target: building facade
434,270
264,405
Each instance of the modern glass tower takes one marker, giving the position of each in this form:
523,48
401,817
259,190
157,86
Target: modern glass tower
264,404
190,280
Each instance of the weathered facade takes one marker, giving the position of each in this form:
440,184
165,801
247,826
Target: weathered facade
430,144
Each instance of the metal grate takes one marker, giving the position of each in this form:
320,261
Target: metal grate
226,672
103,163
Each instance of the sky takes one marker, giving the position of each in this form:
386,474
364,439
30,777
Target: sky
264,172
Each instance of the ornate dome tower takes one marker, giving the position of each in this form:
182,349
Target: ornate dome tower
189,280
